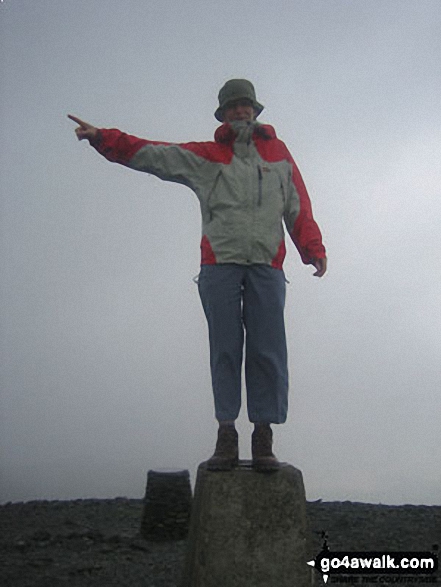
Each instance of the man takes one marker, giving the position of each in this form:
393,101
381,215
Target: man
246,182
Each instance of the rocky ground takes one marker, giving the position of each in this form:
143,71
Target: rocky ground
97,543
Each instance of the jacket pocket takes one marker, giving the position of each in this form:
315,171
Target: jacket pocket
271,186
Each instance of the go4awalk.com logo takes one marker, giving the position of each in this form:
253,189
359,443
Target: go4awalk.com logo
405,564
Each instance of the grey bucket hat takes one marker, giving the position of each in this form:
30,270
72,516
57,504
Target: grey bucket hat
237,89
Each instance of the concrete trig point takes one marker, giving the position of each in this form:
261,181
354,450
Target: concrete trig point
248,529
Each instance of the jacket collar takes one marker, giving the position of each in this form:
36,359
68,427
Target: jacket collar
225,134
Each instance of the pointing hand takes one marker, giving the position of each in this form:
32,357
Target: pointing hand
85,130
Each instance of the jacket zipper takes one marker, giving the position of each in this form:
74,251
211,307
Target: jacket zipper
216,179
282,188
259,199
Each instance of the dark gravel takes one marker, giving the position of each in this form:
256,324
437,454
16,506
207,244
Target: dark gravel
97,542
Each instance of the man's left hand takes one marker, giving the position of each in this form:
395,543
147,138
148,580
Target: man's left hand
320,265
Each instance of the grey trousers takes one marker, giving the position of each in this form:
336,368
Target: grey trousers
246,303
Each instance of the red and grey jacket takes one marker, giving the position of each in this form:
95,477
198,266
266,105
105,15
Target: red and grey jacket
244,190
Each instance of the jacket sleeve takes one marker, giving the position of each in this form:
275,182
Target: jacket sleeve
299,219
175,162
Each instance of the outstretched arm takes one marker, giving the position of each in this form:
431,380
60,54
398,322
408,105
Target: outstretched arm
180,163
85,130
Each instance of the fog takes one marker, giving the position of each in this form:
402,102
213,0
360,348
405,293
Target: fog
104,345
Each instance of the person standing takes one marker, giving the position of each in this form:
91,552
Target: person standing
248,186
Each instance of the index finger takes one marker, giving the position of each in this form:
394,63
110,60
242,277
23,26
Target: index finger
78,121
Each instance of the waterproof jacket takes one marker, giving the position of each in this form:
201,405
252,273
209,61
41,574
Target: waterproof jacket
245,189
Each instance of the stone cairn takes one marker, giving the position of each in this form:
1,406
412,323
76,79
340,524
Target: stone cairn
167,505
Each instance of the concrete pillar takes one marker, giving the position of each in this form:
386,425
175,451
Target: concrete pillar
248,529
167,505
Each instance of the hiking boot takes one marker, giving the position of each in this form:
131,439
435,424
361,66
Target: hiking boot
226,455
264,460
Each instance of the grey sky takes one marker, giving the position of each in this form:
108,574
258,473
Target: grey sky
105,370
